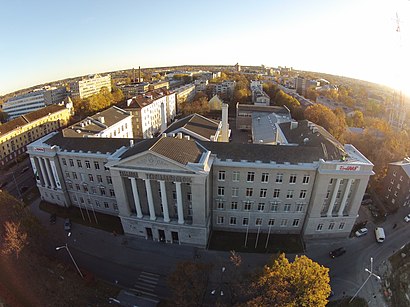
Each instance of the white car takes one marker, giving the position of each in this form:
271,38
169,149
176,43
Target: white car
407,218
361,232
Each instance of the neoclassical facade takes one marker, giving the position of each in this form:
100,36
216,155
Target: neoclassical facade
176,189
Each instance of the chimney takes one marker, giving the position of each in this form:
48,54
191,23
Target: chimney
163,117
293,125
179,135
101,119
186,137
131,143
225,125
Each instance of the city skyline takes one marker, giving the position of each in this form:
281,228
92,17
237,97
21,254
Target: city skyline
47,41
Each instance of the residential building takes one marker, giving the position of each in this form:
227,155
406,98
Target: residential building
259,97
177,190
110,123
151,112
396,187
201,85
16,134
35,100
134,89
184,93
302,85
215,103
224,89
90,85
158,84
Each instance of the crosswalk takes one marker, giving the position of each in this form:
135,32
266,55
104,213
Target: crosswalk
146,284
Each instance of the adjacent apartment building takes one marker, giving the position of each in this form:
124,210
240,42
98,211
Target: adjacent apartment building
89,86
16,134
32,101
396,188
177,189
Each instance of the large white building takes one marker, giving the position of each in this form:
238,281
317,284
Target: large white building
110,123
89,86
177,189
35,100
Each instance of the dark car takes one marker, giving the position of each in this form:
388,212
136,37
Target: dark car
337,252
53,218
67,225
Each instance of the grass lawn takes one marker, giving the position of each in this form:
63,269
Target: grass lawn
105,222
226,241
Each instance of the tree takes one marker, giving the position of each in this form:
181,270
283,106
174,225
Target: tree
357,119
14,238
188,283
300,283
334,123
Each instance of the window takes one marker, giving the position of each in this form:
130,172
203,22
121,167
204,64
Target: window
220,205
295,223
271,222
389,188
392,181
331,226
262,193
96,165
327,194
395,193
67,174
265,177
292,178
299,207
109,180
276,193
394,173
90,177
221,176
102,191
85,188
283,222
342,225
245,221
220,220
221,191
115,207
261,206
289,194
112,193
302,194
279,178
286,208
97,203
398,186
235,176
249,192
247,206
74,175
274,207
87,164
319,227
106,205
232,220
250,177
306,179
64,161
93,190
258,221
70,185
234,205
71,162
79,164
77,186
338,194
235,192
99,178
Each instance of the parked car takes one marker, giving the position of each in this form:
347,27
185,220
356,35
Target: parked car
337,252
361,232
67,224
53,218
407,218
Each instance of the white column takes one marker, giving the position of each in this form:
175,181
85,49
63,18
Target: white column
333,200
50,173
150,200
180,209
136,197
40,175
43,172
344,199
164,200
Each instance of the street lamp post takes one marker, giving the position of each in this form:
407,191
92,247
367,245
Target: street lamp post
72,258
368,277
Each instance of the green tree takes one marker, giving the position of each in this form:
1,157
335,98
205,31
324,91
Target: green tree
302,282
188,283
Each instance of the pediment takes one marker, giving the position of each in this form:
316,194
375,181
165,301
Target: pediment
150,160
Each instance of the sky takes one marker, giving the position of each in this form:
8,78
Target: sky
43,41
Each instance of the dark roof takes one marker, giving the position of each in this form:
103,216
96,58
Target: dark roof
197,124
256,108
94,145
307,134
149,97
180,150
264,153
29,117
